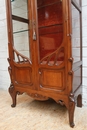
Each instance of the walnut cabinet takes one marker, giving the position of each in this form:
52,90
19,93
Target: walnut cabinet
45,50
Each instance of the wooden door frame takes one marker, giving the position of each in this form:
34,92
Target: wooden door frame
65,38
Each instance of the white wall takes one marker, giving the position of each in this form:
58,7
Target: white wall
4,76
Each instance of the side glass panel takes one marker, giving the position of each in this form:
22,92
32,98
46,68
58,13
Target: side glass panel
77,1
20,27
76,45
50,29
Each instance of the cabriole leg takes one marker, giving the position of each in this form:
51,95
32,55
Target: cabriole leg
71,110
13,94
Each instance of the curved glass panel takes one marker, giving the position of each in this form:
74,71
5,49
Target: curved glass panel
76,45
50,26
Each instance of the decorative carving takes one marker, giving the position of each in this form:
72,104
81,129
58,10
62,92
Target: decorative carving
55,58
71,59
70,72
21,58
19,93
9,70
71,109
9,60
60,102
72,97
38,96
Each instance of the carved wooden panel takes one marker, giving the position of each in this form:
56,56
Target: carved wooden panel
23,75
52,79
19,58
54,59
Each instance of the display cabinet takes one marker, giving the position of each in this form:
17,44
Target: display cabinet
45,51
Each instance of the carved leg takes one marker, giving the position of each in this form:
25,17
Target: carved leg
13,94
71,110
79,101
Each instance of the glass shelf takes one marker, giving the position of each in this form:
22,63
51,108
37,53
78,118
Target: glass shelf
20,31
12,0
47,26
49,4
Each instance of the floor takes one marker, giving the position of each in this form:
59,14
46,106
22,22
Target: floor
35,115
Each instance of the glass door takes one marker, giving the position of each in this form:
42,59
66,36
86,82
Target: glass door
51,44
20,54
50,29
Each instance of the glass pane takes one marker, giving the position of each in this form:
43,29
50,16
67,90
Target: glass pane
20,29
78,2
50,27
21,41
75,34
19,8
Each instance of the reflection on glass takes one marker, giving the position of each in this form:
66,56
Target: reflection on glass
19,8
75,34
77,1
21,43
50,26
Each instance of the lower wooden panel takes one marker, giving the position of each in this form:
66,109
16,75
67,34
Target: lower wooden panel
52,79
23,75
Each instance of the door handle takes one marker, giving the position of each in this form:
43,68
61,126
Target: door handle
34,35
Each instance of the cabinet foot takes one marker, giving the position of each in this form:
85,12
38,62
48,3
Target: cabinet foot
72,124
13,94
71,110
